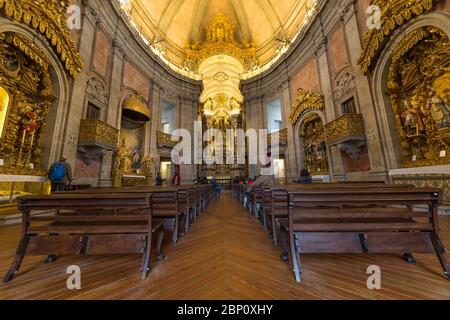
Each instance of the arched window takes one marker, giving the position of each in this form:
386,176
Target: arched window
168,117
4,102
274,120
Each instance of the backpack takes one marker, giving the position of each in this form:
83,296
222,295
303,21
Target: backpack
58,172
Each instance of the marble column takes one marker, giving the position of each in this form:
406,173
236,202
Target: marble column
254,122
154,127
290,156
334,155
77,102
114,112
376,155
188,114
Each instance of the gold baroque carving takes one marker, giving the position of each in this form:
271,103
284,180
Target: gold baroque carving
394,14
312,134
220,40
418,82
345,127
436,180
306,101
347,133
282,136
165,140
28,47
48,18
23,74
93,131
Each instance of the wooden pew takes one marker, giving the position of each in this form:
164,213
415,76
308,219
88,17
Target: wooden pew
363,220
87,224
171,205
279,202
174,215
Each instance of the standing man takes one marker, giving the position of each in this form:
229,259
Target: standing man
176,180
60,174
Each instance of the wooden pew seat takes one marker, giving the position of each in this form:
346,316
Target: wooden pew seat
363,220
123,224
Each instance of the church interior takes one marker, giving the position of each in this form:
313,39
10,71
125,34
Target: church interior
345,102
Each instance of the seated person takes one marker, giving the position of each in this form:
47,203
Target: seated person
159,180
305,177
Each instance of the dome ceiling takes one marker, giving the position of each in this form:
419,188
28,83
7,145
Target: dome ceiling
170,26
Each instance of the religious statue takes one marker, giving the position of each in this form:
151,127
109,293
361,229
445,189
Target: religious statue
440,111
413,122
136,159
320,150
148,164
310,153
123,158
30,123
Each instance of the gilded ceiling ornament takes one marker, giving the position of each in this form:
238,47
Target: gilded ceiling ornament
394,14
220,40
306,100
48,18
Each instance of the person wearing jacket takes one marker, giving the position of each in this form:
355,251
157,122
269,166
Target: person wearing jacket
60,174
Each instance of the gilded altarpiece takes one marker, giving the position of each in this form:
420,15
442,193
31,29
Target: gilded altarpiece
312,135
312,131
24,74
131,167
24,77
418,87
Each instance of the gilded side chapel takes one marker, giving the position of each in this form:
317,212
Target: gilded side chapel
356,93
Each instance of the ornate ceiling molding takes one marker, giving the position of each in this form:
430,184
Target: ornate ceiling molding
394,14
271,15
172,26
242,19
48,18
169,14
201,9
306,101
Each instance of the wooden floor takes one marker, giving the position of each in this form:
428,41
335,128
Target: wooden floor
226,255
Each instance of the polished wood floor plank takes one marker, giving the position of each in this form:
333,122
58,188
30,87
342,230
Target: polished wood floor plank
226,255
